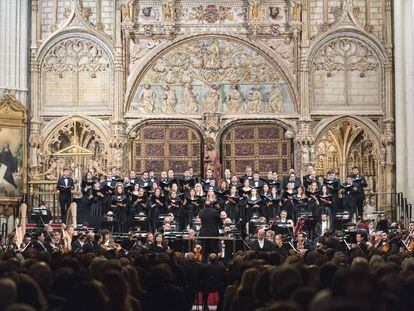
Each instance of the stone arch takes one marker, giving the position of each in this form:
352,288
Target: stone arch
347,68
76,141
343,142
263,144
161,144
162,50
75,70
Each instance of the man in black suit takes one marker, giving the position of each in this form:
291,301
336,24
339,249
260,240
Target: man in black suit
210,225
292,178
360,183
261,244
65,185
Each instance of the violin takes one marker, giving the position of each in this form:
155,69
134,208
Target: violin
384,248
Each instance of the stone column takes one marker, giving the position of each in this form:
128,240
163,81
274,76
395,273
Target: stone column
404,94
14,17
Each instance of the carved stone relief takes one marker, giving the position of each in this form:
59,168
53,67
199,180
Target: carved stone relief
346,72
213,75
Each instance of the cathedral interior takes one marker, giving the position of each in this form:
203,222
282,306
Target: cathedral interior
144,84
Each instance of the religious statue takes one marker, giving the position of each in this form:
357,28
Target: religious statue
212,159
211,102
126,11
147,99
296,10
255,101
211,57
169,100
276,99
255,8
305,155
188,99
234,100
168,11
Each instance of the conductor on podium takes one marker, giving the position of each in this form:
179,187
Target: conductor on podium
65,185
210,225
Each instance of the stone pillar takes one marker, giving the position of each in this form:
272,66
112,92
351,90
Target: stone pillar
404,94
14,17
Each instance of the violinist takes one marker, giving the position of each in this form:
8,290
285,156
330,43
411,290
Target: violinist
302,242
119,206
361,242
159,246
383,244
409,240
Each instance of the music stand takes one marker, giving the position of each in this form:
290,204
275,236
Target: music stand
41,216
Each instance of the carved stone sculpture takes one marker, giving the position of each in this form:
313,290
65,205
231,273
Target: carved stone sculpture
255,101
210,104
212,160
169,100
147,99
234,100
188,99
276,99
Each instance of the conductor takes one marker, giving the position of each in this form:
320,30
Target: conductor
210,224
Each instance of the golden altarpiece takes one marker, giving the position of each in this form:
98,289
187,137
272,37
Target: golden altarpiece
156,84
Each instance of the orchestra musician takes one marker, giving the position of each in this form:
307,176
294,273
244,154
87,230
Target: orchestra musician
158,246
261,244
65,185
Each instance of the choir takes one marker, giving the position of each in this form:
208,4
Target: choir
245,198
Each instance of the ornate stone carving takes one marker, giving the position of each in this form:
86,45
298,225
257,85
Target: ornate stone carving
147,99
201,70
346,54
254,101
189,100
212,158
276,99
255,11
212,122
211,102
234,100
282,47
168,11
139,50
76,55
169,100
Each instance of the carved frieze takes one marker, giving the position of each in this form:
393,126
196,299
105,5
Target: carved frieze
213,76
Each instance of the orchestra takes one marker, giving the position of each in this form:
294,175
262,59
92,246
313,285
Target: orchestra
296,214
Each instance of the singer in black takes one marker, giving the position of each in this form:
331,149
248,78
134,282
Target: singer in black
360,183
210,225
65,185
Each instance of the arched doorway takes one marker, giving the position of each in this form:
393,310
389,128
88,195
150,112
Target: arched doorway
262,146
345,144
167,145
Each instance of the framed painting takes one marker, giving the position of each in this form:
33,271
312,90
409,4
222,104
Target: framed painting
13,148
